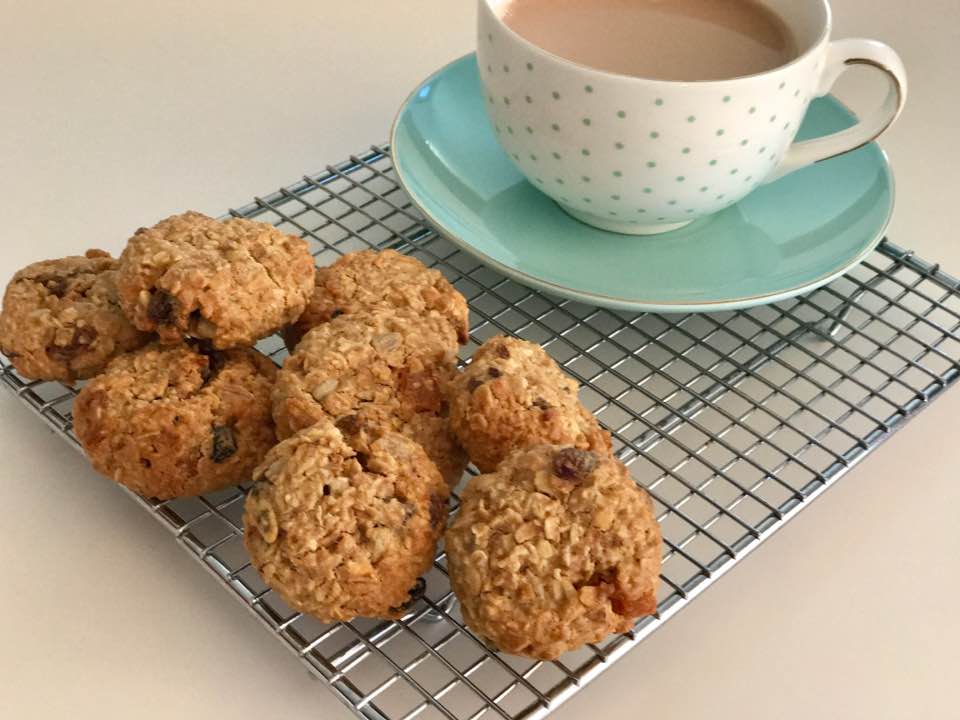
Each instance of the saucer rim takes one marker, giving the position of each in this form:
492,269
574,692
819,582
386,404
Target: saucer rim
617,302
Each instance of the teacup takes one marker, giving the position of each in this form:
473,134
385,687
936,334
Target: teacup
640,156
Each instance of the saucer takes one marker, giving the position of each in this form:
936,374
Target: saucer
784,239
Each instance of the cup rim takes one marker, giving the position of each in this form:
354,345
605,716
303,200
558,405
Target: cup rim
821,39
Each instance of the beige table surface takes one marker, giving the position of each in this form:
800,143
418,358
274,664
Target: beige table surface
118,112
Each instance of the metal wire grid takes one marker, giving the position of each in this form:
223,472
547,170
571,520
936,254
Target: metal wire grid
733,422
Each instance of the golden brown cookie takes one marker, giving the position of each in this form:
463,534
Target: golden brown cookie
557,548
228,282
384,368
168,421
342,531
370,280
512,395
61,320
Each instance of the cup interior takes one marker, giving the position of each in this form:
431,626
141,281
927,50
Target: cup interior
808,20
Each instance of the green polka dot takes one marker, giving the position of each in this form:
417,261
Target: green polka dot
529,130
647,190
610,212
618,145
617,173
772,118
555,127
651,164
509,129
614,197
782,86
748,178
721,196
587,121
559,181
588,88
498,129
752,110
585,178
762,150
556,95
691,118
490,37
689,210
641,210
713,162
506,68
556,156
726,98
654,135
786,126
489,69
704,188
529,66
533,157
672,202
492,101
734,171
516,157
585,152
658,102
587,200
680,178
744,142
528,98
506,101
720,132
621,114
686,151
540,180
661,218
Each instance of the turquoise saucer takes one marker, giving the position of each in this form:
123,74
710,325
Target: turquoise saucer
782,240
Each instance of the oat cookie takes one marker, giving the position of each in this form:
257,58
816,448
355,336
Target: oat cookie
342,531
228,282
368,280
387,368
61,320
169,421
557,548
511,395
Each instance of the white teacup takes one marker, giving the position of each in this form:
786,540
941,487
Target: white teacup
641,156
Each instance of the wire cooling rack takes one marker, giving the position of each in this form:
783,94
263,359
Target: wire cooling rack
733,421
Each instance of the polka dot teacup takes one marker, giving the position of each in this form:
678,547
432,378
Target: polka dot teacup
642,156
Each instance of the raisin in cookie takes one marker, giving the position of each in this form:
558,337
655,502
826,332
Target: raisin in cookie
182,420
384,368
557,548
61,319
513,395
342,531
369,280
228,282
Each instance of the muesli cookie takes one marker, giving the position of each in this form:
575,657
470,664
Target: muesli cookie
342,528
384,368
557,548
61,319
512,395
370,280
183,420
231,282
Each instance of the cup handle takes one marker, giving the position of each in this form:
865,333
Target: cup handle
841,55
